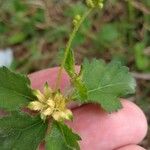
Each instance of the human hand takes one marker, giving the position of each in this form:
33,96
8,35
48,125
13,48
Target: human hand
99,130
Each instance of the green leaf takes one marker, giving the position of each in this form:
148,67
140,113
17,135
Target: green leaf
78,40
80,89
107,83
15,90
79,86
62,138
79,8
3,28
21,131
69,64
108,33
16,38
142,61
57,34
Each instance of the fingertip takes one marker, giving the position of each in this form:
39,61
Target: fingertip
131,147
100,130
139,119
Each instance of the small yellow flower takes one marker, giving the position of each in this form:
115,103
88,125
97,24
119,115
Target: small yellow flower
51,104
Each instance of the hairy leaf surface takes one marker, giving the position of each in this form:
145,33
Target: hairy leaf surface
70,64
15,90
21,132
107,83
80,88
61,137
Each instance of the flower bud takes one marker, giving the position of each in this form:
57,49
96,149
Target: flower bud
39,95
35,105
94,3
47,91
76,19
68,115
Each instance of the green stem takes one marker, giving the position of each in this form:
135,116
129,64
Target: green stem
131,14
68,46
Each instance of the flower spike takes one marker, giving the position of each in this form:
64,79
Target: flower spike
95,3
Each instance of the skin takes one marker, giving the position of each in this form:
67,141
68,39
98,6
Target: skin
121,130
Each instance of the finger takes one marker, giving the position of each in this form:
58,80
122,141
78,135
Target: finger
131,147
98,129
38,79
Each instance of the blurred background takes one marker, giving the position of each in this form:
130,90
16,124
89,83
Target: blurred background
34,32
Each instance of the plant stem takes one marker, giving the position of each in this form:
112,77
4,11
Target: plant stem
68,46
130,20
49,126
